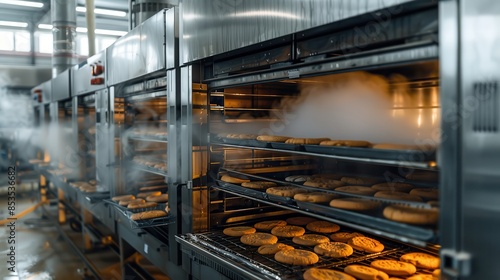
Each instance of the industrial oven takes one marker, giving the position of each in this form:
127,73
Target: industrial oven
383,75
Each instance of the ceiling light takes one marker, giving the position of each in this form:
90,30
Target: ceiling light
81,29
13,23
103,12
22,3
45,26
110,32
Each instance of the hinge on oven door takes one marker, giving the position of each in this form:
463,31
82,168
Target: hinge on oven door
455,264
293,74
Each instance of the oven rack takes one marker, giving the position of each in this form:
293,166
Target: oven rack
265,266
145,168
161,221
407,158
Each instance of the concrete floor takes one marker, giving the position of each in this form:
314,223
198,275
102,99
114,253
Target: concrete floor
40,253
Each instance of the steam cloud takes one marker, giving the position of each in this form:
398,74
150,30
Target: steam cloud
354,106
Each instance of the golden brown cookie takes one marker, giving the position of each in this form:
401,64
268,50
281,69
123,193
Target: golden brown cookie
300,221
146,194
322,227
233,180
286,191
395,268
314,197
426,193
152,188
141,205
258,185
258,239
421,260
127,202
296,257
148,215
354,204
239,231
344,236
269,225
346,143
326,274
436,273
288,231
123,197
158,198
297,178
271,249
411,215
421,277
361,190
397,196
272,138
363,272
241,136
393,187
305,141
363,181
310,239
334,249
330,184
366,244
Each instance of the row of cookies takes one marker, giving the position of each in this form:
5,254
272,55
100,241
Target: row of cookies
145,204
152,163
296,141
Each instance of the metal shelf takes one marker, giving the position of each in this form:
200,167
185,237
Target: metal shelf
147,169
149,138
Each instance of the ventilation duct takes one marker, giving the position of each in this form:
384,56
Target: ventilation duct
141,10
64,35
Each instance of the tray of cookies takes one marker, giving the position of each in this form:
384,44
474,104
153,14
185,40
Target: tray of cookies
286,146
242,190
141,213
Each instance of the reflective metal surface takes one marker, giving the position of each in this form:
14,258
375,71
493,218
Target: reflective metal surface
82,74
144,50
213,27
46,92
61,88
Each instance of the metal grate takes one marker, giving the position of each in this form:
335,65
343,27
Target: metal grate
486,112
232,246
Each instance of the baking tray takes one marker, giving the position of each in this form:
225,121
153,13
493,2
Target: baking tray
399,155
285,146
246,142
143,223
239,189
374,220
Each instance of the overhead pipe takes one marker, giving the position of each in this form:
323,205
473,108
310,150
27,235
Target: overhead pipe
64,34
90,15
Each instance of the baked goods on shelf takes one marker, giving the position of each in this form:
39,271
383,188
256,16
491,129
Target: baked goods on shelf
286,191
334,249
322,227
344,236
366,244
324,183
127,202
258,239
315,197
395,268
272,138
354,204
297,178
296,257
411,215
426,193
421,260
233,180
123,197
361,190
364,272
146,194
397,196
323,274
310,239
393,187
162,198
346,143
288,231
364,181
269,225
258,185
300,221
148,215
271,249
141,205
238,231
305,141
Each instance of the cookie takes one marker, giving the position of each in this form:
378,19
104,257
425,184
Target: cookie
123,197
258,185
258,239
310,239
239,231
359,181
354,204
426,193
326,274
421,277
314,197
288,231
286,191
158,198
152,188
305,141
363,272
393,187
272,138
397,196
322,227
271,249
394,268
366,244
148,215
127,202
141,205
411,215
300,221
269,225
436,273
334,249
346,143
146,194
241,136
330,184
296,257
297,178
344,236
233,180
361,190
421,260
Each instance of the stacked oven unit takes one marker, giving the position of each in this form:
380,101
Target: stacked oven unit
368,71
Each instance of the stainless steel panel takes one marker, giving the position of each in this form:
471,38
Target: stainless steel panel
479,112
61,86
47,92
82,74
144,49
213,27
171,38
104,142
